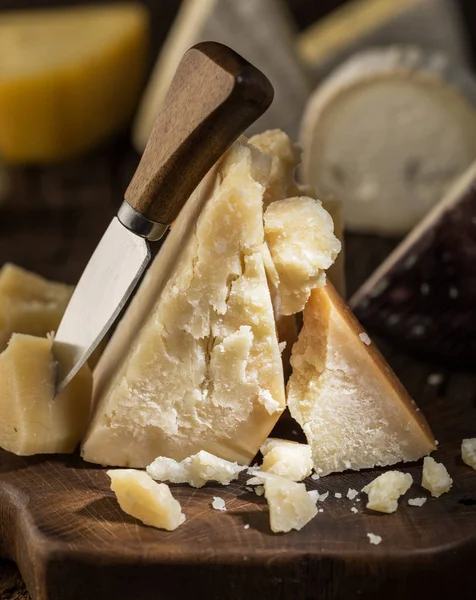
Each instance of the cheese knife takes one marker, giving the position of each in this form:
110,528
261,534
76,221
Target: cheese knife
214,97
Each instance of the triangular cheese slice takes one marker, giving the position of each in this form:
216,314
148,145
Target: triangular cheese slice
199,368
353,409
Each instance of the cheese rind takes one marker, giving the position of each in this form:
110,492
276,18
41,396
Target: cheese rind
203,371
435,477
195,470
468,452
141,497
32,420
353,410
287,459
385,490
290,505
29,304
70,75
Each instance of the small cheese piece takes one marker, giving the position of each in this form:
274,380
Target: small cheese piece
468,452
351,494
29,304
374,539
385,490
352,408
288,459
299,255
416,501
32,421
422,107
195,364
195,470
218,503
144,499
290,505
435,477
70,75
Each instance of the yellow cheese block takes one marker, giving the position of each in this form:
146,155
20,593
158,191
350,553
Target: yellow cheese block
31,420
68,78
29,304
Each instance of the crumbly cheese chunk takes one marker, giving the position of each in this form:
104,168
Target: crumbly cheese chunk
290,505
416,501
32,420
385,490
195,470
435,478
374,539
286,458
203,370
144,499
468,452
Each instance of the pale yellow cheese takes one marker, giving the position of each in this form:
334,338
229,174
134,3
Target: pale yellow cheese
468,452
29,304
203,370
69,77
144,499
352,408
435,477
195,470
385,490
31,420
287,459
290,505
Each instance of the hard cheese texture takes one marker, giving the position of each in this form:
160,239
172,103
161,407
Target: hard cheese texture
353,410
468,452
141,497
435,477
31,420
290,505
195,470
69,77
204,371
287,459
29,304
385,490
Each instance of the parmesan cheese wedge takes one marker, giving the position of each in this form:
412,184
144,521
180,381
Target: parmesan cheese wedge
29,304
69,77
198,368
143,498
32,421
353,410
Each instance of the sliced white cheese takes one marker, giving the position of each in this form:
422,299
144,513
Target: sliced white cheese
195,470
385,490
435,477
143,498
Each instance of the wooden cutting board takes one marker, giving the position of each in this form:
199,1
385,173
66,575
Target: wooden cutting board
62,525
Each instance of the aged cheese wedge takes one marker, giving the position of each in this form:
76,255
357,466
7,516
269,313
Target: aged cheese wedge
31,421
260,31
70,75
143,498
29,304
199,369
352,408
287,459
195,470
387,133
385,490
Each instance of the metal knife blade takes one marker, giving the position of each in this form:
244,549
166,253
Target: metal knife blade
191,132
104,288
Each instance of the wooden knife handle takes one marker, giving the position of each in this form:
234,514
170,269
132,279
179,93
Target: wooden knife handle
215,95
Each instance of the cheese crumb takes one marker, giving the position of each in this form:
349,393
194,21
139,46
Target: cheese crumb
338,495
247,526
321,510
354,510
195,470
259,490
468,452
143,498
435,379
323,496
287,459
315,476
218,503
314,494
249,489
351,493
374,539
435,478
385,490
290,505
365,338
416,501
